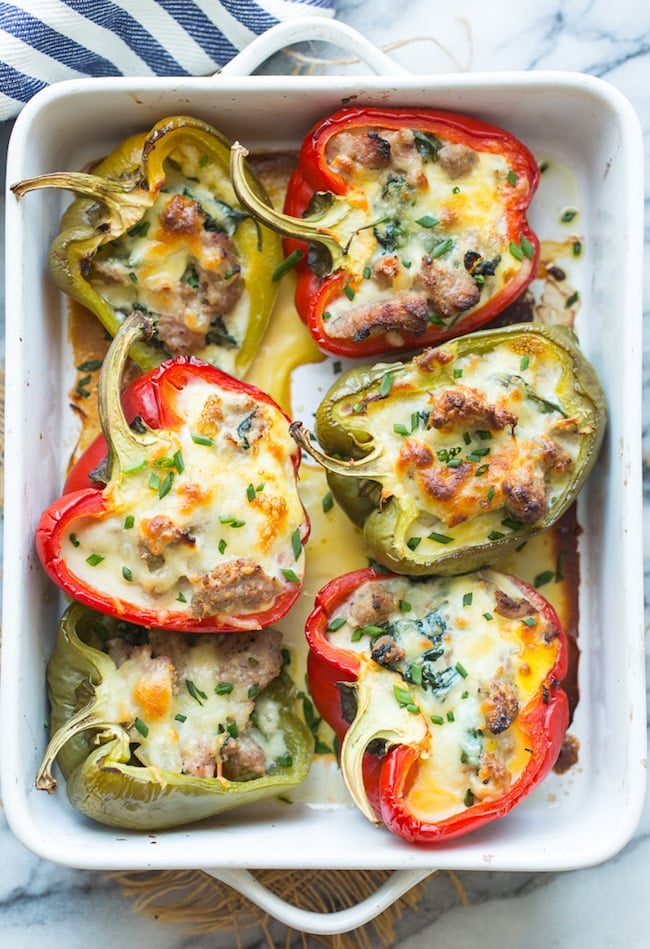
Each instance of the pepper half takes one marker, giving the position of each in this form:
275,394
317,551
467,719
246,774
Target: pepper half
409,226
445,692
455,458
157,227
156,729
194,521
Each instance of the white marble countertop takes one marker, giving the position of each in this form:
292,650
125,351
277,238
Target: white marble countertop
607,905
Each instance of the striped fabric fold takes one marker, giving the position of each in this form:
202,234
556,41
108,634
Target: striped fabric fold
46,41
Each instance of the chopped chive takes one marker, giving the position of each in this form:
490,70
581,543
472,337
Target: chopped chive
467,599
181,598
577,248
371,630
512,177
427,220
223,688
166,485
196,693
413,543
400,429
442,248
404,606
127,574
437,719
516,251
285,760
335,624
490,493
450,716
349,291
512,523
222,546
496,535
567,216
415,673
328,502
367,273
129,521
464,695
180,717
457,373
544,166
405,699
232,729
455,190
74,540
326,316
357,407
91,366
575,296
547,576
488,616
296,543
202,439
527,247
250,492
461,670
290,575
154,481
386,384
133,277
287,264
179,464
524,362
94,559
529,621
468,800
253,690
141,727
439,538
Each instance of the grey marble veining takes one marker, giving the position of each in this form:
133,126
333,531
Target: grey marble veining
604,906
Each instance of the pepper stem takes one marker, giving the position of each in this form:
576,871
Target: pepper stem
380,717
81,721
355,468
125,201
127,449
318,229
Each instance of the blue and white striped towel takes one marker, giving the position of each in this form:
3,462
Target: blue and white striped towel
45,41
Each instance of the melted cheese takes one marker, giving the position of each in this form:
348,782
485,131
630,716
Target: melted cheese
229,503
452,635
153,266
458,479
420,210
188,734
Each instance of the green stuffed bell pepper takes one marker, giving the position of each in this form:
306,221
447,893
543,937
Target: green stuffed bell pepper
154,729
455,458
157,227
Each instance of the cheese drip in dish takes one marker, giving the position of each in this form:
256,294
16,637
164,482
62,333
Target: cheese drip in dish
213,519
468,657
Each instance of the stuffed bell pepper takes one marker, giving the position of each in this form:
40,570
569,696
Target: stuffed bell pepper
409,226
456,457
445,692
186,516
156,729
156,227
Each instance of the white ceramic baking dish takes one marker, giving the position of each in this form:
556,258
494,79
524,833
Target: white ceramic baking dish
591,137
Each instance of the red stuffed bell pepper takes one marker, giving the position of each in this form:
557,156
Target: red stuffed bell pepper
193,522
409,226
444,691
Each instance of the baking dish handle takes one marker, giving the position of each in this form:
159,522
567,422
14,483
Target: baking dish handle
309,921
304,29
